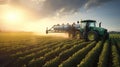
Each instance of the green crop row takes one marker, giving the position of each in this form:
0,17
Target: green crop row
77,57
92,56
103,59
64,55
53,53
115,55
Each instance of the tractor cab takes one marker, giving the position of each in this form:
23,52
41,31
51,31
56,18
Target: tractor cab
88,23
87,27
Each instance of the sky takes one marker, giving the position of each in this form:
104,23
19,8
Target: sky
36,15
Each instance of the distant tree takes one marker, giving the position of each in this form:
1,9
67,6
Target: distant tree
114,32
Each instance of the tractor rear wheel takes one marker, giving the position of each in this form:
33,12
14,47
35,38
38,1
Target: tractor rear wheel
92,35
106,36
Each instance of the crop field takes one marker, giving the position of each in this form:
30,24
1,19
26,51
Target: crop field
27,50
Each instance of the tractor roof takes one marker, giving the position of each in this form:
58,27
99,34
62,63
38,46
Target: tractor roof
84,21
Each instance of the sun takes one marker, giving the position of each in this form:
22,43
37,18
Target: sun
12,16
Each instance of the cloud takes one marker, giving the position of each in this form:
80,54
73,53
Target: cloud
46,8
94,3
62,6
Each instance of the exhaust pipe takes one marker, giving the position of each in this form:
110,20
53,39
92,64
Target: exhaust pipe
100,24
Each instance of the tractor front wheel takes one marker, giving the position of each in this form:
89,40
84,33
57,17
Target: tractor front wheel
78,35
92,35
70,35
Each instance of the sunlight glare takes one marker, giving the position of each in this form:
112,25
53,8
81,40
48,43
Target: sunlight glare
12,16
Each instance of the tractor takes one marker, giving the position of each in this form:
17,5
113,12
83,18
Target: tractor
86,30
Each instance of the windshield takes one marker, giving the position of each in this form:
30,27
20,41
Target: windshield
92,24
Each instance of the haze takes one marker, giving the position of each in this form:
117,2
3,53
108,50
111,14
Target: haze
36,15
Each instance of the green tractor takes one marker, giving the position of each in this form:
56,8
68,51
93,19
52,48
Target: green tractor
87,30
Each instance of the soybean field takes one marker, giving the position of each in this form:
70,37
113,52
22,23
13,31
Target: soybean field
27,50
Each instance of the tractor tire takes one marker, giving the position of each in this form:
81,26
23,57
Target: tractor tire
70,35
78,35
106,36
93,36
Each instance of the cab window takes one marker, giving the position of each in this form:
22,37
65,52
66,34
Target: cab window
91,24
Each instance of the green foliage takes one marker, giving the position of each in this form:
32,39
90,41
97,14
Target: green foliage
28,50
75,58
52,63
115,56
38,62
103,59
90,58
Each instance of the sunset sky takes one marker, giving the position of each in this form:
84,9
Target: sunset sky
36,15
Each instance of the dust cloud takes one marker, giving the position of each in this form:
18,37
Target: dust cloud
63,35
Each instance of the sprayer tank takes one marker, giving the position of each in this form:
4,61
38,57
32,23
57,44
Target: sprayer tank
65,27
